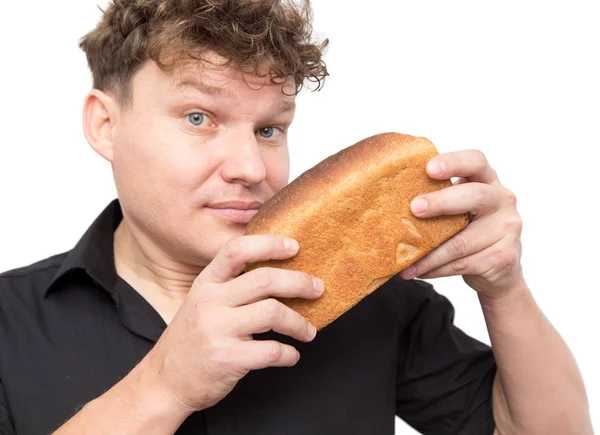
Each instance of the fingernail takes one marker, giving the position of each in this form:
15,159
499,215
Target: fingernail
312,331
318,285
419,205
291,244
437,167
409,273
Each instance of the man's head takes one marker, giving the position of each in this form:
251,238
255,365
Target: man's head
191,104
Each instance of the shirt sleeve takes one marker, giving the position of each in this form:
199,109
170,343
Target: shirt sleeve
6,424
444,377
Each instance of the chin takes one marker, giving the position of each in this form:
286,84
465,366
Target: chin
224,230
213,232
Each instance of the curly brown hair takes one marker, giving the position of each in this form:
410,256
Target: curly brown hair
247,33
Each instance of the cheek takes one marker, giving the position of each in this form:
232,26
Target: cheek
157,156
278,168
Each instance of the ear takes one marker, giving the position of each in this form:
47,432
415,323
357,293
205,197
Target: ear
100,116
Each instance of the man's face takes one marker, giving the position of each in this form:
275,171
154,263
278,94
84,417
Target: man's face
195,138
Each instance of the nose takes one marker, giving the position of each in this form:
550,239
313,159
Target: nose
243,162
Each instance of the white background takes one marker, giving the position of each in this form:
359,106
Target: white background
518,80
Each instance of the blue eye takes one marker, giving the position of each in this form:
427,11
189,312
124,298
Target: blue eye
196,118
267,132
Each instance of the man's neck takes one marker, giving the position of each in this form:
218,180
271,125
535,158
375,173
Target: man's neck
159,279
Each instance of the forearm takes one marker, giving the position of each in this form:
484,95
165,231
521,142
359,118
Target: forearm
132,406
538,389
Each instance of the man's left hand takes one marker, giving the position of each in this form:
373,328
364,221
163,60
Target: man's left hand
487,252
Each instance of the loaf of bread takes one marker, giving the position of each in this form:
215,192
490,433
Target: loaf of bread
351,216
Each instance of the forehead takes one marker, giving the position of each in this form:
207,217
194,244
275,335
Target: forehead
215,77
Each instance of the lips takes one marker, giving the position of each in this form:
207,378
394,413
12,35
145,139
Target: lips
234,215
235,211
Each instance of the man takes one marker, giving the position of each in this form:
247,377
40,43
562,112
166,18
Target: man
148,325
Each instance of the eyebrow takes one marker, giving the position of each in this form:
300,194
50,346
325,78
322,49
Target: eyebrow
221,91
287,106
213,91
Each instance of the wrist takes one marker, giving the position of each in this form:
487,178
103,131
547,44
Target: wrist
134,405
147,388
517,293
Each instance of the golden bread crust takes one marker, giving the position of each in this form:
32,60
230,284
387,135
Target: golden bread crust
351,216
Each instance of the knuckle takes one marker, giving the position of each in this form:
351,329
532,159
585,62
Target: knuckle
272,310
437,202
262,277
460,265
424,264
214,322
458,246
232,248
506,258
302,325
202,300
274,351
514,223
480,196
511,198
207,297
481,158
305,280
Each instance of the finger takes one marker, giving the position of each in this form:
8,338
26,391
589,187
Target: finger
260,354
475,198
270,314
237,253
267,282
470,164
489,263
475,237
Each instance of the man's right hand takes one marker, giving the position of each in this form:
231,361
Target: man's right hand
208,347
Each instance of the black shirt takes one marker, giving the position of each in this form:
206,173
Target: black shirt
70,328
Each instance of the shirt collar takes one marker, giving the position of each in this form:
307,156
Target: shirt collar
94,251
